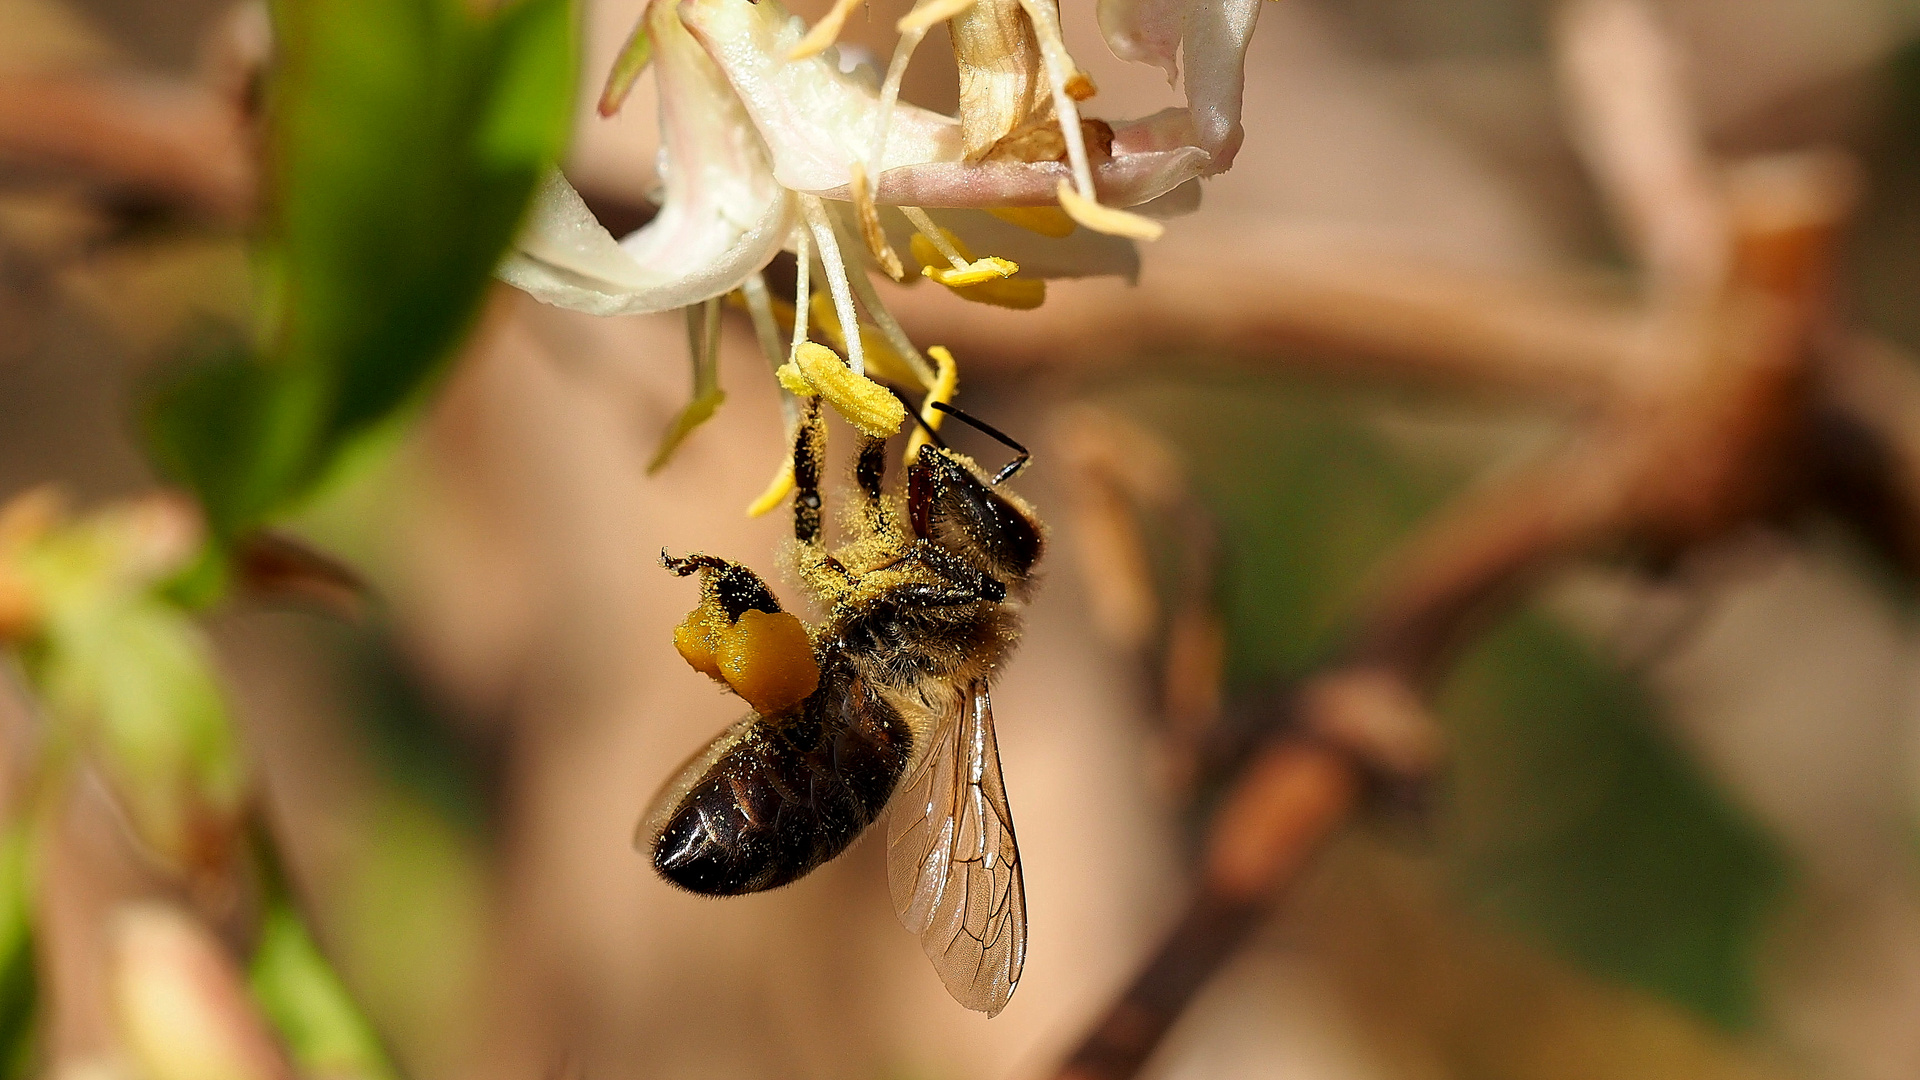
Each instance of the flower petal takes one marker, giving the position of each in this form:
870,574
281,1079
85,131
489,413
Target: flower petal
815,119
1145,31
723,216
1215,37
1130,177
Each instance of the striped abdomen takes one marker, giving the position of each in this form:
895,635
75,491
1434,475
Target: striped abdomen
787,793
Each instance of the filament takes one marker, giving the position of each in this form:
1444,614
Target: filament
1060,67
836,274
803,251
935,235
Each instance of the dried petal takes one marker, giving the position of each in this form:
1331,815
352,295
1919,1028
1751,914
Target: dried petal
1003,83
870,231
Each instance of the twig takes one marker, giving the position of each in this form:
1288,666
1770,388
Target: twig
164,139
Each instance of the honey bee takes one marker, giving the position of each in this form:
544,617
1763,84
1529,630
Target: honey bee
885,705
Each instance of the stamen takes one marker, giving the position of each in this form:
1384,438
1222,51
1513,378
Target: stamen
866,404
890,329
1061,71
926,15
803,251
937,236
766,327
942,391
703,344
1048,221
1106,219
986,281
825,32
882,361
627,67
836,272
777,490
890,94
1068,83
760,309
869,216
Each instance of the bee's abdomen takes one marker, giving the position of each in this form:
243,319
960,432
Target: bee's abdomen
791,794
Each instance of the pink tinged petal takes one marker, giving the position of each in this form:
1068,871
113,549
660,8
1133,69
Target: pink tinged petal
1127,179
816,119
722,218
1215,35
1145,31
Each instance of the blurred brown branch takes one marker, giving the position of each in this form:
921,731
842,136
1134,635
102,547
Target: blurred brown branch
162,140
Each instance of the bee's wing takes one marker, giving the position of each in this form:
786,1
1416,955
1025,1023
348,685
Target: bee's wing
952,861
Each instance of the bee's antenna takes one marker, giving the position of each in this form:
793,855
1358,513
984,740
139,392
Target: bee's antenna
1008,470
913,411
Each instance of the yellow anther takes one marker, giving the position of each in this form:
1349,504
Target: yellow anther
944,386
870,230
926,15
776,493
1020,294
936,263
793,381
1106,219
883,360
1049,221
984,281
866,404
825,32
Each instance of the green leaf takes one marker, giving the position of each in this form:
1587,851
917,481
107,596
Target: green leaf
298,990
128,675
1577,818
19,982
133,680
404,141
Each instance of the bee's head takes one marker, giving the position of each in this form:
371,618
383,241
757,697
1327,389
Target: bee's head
951,503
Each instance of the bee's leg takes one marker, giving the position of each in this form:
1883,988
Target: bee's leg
728,584
869,474
809,447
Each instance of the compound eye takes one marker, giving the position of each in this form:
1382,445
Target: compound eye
956,509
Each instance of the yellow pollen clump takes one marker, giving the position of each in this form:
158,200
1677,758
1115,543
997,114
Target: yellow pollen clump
866,404
695,639
767,659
